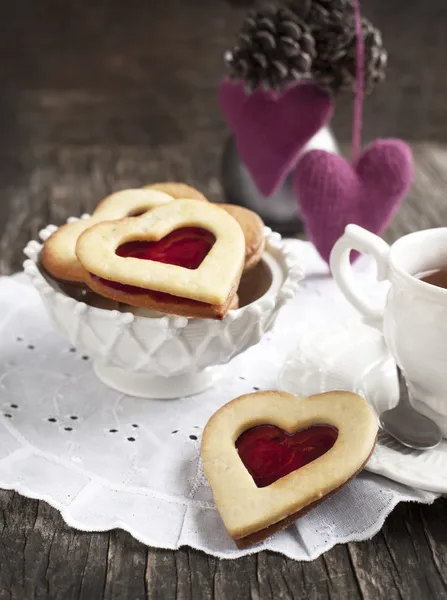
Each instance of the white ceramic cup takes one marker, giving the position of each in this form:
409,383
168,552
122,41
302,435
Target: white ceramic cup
414,317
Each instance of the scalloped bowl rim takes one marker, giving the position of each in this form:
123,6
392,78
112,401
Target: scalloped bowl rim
292,275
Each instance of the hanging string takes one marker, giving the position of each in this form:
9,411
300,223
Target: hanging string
359,83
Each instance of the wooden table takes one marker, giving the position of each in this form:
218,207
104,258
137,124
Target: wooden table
104,95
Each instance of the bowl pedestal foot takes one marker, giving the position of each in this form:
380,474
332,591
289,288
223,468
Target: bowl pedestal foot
145,385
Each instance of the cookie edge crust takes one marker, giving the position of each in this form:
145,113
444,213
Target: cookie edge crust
262,534
183,307
234,427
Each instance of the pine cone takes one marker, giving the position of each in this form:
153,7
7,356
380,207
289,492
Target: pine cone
322,14
332,25
274,47
334,68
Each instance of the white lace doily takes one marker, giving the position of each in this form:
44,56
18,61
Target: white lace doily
106,460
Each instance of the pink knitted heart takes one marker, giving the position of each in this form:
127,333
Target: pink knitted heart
332,193
271,130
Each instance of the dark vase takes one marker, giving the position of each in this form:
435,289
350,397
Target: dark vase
281,210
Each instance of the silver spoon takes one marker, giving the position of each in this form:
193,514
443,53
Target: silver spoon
406,425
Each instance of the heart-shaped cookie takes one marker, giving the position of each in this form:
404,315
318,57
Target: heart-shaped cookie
177,190
253,228
184,258
332,193
251,223
271,129
270,457
58,255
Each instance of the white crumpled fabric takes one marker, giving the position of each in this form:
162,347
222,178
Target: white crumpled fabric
107,460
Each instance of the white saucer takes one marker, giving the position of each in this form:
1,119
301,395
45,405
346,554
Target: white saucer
353,357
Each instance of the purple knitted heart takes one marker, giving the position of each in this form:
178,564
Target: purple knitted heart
271,130
332,193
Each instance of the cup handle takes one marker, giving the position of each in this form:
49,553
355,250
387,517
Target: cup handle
357,238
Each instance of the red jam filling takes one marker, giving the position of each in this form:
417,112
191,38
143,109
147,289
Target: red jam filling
159,296
270,453
185,247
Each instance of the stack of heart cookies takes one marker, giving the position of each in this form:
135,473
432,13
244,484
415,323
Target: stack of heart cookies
163,247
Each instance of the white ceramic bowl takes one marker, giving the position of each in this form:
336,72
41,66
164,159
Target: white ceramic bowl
166,356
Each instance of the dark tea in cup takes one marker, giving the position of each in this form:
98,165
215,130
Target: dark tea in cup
437,277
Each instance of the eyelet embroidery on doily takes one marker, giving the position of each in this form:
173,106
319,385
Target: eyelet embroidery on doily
76,418
6,413
129,438
72,349
67,428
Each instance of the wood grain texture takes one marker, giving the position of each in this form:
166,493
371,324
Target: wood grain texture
105,95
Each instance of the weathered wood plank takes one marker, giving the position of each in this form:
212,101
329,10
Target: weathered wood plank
394,564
